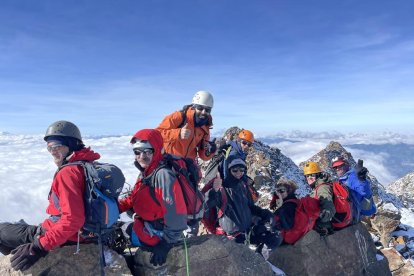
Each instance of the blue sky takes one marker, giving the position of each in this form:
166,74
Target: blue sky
113,67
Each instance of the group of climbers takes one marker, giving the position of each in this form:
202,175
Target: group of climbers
157,200
352,189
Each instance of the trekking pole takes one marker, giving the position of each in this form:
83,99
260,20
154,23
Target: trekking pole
101,253
187,263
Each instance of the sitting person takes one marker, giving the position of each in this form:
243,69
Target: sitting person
157,226
322,190
359,187
230,209
285,209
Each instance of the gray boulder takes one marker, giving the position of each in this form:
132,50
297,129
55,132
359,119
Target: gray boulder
207,255
350,251
62,261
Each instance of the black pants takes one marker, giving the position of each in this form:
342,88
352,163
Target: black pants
14,234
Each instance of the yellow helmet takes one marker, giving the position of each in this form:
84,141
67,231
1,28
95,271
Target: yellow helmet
311,167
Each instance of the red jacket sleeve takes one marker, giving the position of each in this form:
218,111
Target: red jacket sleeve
68,185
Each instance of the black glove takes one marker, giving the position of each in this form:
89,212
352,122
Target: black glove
223,148
213,146
267,216
26,255
160,252
325,215
361,171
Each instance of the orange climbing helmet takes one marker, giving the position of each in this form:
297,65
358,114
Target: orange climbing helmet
246,135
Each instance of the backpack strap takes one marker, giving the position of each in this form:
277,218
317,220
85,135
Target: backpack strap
184,115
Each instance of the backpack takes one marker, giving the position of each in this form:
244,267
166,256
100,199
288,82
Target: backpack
306,214
188,175
342,203
103,184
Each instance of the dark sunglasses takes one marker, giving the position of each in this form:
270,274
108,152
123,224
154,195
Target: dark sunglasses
246,143
201,108
281,191
54,147
311,175
338,167
238,170
145,151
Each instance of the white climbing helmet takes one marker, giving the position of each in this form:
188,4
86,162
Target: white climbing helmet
203,98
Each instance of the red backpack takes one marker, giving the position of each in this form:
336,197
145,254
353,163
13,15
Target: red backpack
342,203
306,214
188,175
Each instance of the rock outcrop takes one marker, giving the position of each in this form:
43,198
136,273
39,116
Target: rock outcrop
349,251
62,261
207,255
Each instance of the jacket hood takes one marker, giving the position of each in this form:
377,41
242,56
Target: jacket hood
85,154
154,137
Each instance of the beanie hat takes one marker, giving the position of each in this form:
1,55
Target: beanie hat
237,162
72,143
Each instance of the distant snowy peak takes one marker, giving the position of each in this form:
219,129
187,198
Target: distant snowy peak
344,138
404,189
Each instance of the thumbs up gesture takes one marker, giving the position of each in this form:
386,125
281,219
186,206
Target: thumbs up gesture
185,132
217,184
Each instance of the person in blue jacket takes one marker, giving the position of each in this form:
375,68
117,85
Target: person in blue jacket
359,186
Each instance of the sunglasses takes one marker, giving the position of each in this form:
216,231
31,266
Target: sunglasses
310,175
238,170
281,191
138,152
201,108
246,143
338,167
54,147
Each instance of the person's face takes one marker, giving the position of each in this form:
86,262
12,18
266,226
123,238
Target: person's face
245,145
311,178
282,191
238,172
202,111
58,152
340,170
144,157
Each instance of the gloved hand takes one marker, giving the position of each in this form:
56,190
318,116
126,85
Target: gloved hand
223,148
213,146
267,216
26,255
160,252
325,215
361,171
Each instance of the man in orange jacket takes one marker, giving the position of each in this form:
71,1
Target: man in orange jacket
186,133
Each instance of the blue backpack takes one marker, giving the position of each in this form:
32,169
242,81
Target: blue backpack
104,183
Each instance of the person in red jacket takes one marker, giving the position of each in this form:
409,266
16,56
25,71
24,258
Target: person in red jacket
28,243
186,133
160,213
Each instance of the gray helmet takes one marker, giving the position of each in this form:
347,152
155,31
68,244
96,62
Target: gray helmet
63,128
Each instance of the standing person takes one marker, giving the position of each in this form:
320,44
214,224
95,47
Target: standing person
322,190
186,133
157,226
359,186
29,243
230,208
